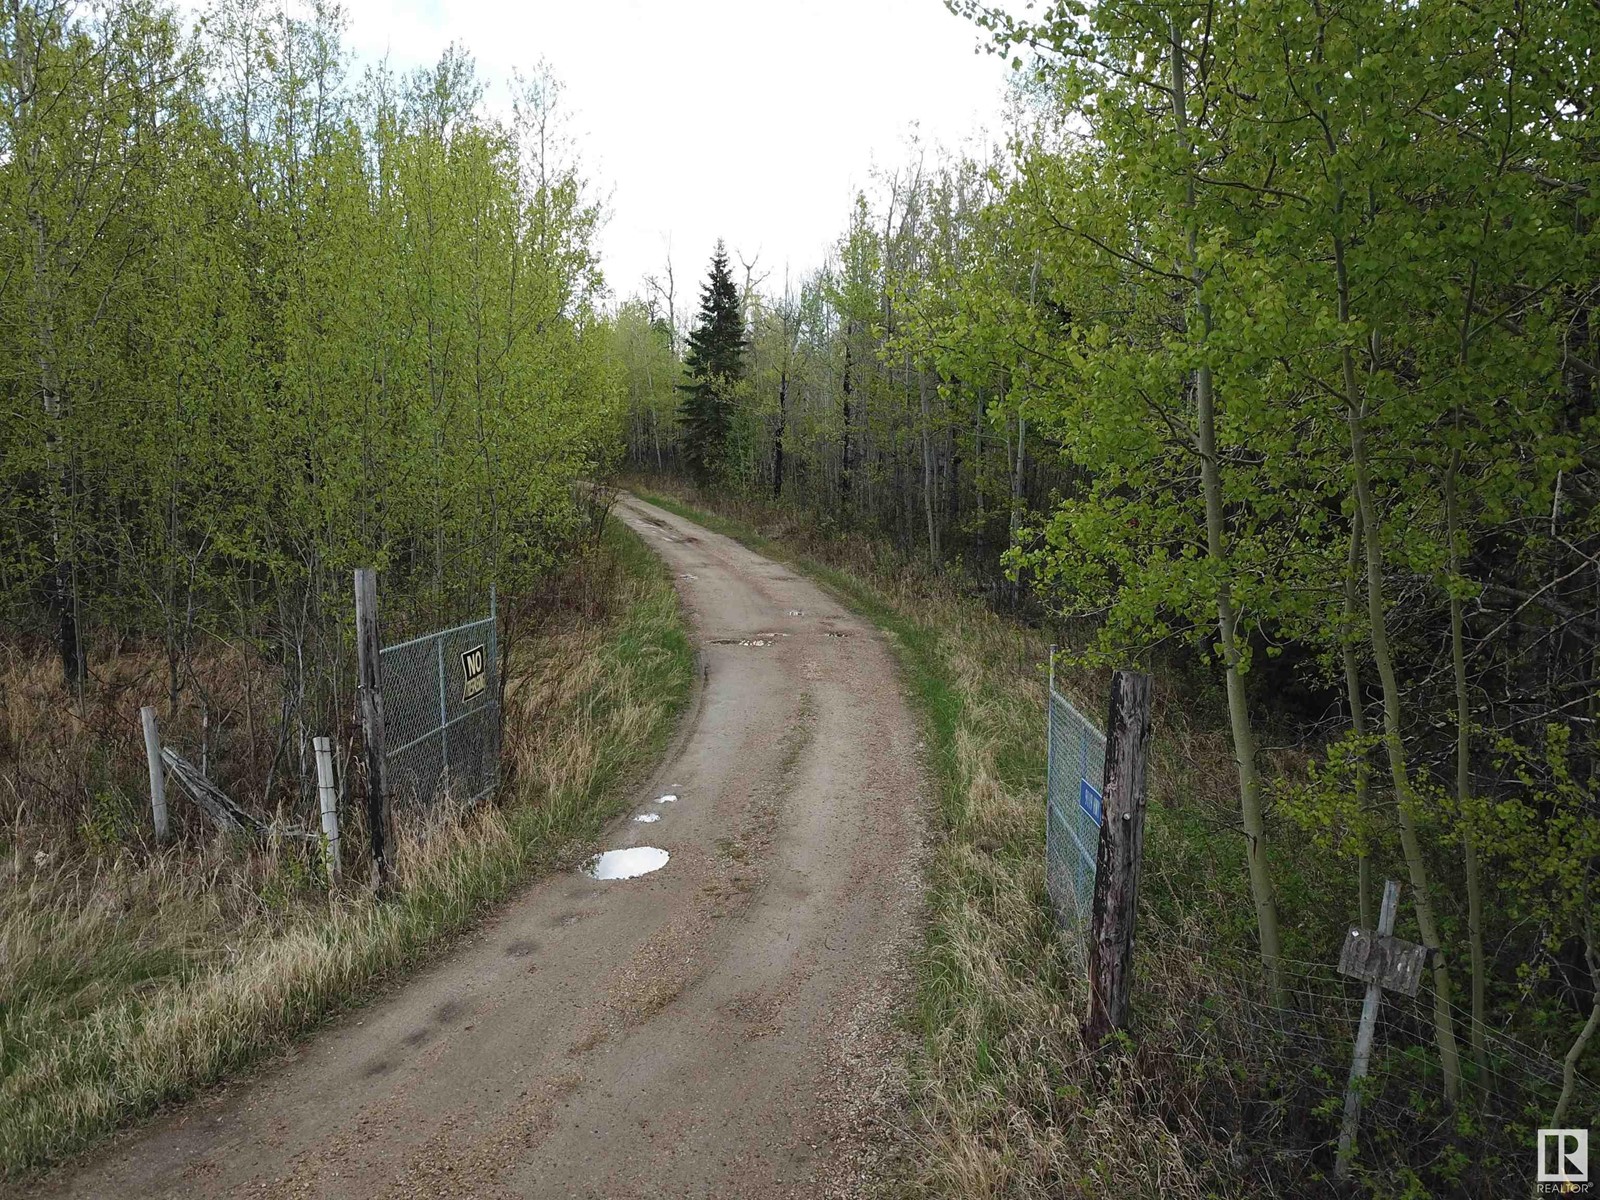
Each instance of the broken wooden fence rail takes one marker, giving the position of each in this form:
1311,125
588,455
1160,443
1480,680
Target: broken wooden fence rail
216,803
220,807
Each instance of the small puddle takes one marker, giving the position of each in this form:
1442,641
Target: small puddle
669,798
625,864
648,817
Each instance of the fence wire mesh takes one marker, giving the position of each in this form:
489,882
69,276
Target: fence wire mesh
441,699
1075,771
1276,1076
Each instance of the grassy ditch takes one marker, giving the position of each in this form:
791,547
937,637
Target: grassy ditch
129,980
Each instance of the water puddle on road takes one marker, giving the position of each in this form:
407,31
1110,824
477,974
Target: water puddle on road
625,864
648,817
669,798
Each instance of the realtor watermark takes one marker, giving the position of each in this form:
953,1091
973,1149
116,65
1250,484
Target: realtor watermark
1563,1164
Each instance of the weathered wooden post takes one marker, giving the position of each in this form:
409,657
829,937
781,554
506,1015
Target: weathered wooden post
158,783
328,792
370,691
1116,881
1384,961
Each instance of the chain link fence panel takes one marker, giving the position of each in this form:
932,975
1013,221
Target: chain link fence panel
1074,773
441,699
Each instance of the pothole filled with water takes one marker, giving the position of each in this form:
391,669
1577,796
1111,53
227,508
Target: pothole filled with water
669,798
625,864
648,817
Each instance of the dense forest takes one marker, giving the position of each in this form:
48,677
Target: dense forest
1264,340
262,322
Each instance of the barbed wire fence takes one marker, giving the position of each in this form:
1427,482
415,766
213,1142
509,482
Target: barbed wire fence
1264,1082
1274,1078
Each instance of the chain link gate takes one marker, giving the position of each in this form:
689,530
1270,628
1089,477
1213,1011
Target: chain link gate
441,696
1075,766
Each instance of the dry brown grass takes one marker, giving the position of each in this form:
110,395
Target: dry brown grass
129,978
72,768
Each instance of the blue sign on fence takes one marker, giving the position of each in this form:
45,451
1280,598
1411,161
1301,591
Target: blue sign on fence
1089,800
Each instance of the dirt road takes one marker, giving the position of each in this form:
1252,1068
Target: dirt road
720,1027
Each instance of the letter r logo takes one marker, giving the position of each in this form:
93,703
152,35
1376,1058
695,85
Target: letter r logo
1563,1156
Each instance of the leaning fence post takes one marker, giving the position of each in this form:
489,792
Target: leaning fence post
1116,880
1364,1035
371,698
328,791
158,783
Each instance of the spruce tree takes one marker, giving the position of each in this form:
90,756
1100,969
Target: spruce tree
716,362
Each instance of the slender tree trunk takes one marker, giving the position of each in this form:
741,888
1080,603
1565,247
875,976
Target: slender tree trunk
1262,891
1458,667
1469,840
1358,715
1019,465
1569,1064
777,442
61,590
928,500
1416,865
977,458
950,477
844,450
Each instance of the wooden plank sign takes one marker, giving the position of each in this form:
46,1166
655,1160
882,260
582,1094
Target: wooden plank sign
1384,960
474,672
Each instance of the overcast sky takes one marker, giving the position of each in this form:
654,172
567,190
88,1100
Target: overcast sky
752,120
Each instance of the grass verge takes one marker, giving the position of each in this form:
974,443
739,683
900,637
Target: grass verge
128,982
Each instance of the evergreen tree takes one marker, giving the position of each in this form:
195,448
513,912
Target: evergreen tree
716,363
